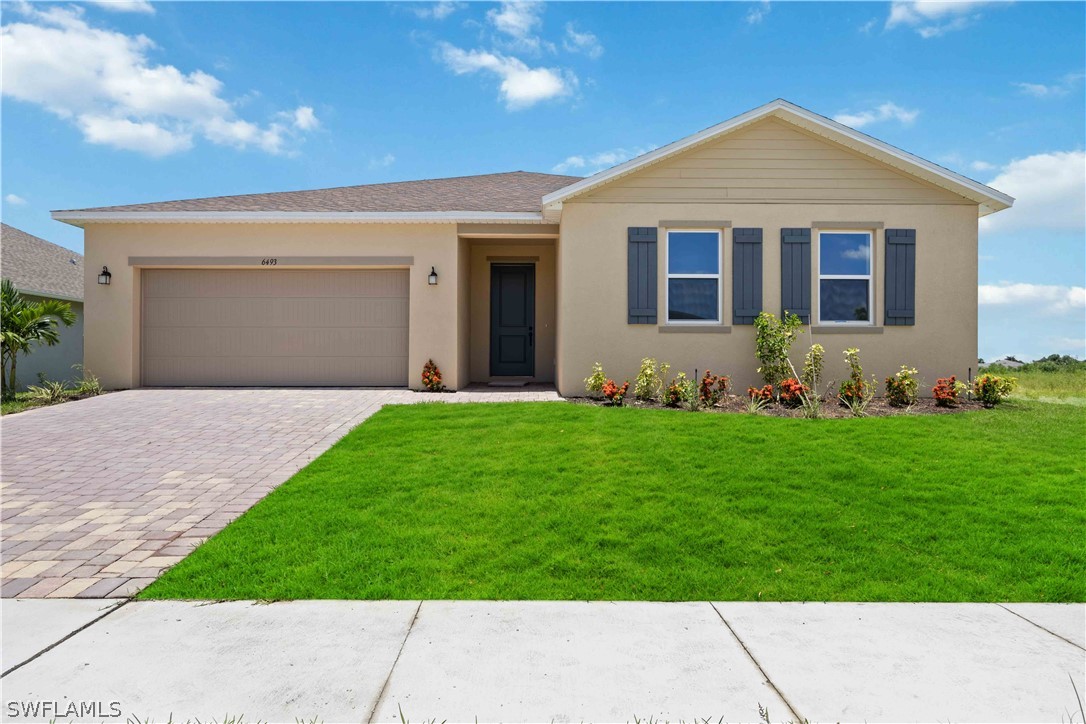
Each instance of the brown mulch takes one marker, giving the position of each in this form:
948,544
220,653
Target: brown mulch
879,407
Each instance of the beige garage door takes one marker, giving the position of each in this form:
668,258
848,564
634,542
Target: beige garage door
238,328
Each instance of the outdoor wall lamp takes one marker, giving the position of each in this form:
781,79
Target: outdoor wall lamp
431,280
105,276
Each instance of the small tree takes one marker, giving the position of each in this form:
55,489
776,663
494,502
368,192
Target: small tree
772,344
23,324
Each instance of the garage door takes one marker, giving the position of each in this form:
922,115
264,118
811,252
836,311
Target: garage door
267,327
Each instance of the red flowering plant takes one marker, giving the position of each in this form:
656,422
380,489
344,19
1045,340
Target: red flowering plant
712,388
792,392
946,391
761,393
613,393
431,377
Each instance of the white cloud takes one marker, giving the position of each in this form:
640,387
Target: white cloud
384,162
521,86
126,6
860,253
867,27
879,114
599,161
757,13
1050,193
437,11
304,119
1050,298
932,18
15,200
982,166
518,20
1056,90
582,42
103,82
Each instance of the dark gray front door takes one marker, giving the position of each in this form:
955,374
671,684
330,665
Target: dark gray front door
512,320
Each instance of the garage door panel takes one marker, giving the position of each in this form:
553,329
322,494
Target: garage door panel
275,327
281,312
271,283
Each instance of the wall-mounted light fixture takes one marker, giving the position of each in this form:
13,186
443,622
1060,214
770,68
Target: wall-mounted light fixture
432,279
105,276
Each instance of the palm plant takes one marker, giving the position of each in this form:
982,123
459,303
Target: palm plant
24,323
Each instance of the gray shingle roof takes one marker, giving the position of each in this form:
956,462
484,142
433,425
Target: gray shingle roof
514,191
37,266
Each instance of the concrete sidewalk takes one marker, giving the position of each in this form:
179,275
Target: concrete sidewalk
360,661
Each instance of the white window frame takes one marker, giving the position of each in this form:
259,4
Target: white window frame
870,277
719,277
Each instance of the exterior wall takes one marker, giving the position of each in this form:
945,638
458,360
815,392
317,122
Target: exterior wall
112,322
543,256
55,362
771,161
593,302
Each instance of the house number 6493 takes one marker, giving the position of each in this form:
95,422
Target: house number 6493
269,261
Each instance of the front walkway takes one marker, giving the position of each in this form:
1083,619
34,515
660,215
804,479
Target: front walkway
360,661
101,495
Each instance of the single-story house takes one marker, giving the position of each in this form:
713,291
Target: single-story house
42,270
532,276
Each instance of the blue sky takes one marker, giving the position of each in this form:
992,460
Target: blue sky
110,103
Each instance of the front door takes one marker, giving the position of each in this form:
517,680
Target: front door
512,320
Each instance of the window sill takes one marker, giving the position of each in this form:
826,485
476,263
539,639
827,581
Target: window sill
694,329
845,329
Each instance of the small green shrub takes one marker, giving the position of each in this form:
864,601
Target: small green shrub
649,384
593,384
682,392
773,341
902,388
991,389
855,389
88,384
49,393
812,367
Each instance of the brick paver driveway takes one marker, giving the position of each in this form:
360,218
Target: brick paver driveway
100,496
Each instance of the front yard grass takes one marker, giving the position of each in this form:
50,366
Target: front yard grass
562,501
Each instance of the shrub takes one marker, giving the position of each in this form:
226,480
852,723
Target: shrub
773,341
855,388
947,390
793,391
812,366
88,384
431,377
682,391
712,388
902,388
991,389
593,384
761,393
615,394
49,393
649,384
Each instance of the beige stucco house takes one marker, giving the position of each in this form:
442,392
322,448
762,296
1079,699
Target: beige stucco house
525,276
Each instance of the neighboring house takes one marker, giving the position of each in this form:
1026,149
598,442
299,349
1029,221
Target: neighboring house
42,270
670,255
1009,362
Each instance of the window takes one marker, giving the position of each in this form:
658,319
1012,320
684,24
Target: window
844,277
693,276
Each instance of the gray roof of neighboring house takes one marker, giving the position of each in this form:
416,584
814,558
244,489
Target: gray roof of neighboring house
1007,362
513,191
39,267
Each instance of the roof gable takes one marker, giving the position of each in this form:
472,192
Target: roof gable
988,199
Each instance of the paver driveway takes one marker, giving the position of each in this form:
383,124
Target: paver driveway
101,495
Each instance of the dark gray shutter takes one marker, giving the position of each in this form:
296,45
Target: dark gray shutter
796,273
641,274
746,275
900,277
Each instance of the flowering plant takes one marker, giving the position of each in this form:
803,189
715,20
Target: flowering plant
593,384
761,393
991,389
792,391
902,388
712,388
614,393
650,380
946,391
431,377
855,390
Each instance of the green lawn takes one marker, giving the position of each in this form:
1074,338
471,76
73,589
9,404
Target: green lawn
562,501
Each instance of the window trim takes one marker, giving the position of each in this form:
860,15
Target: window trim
869,277
719,276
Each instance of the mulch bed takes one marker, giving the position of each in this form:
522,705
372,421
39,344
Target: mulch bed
879,407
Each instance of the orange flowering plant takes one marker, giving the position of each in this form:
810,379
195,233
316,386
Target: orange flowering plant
792,392
431,377
712,389
946,391
615,394
760,393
